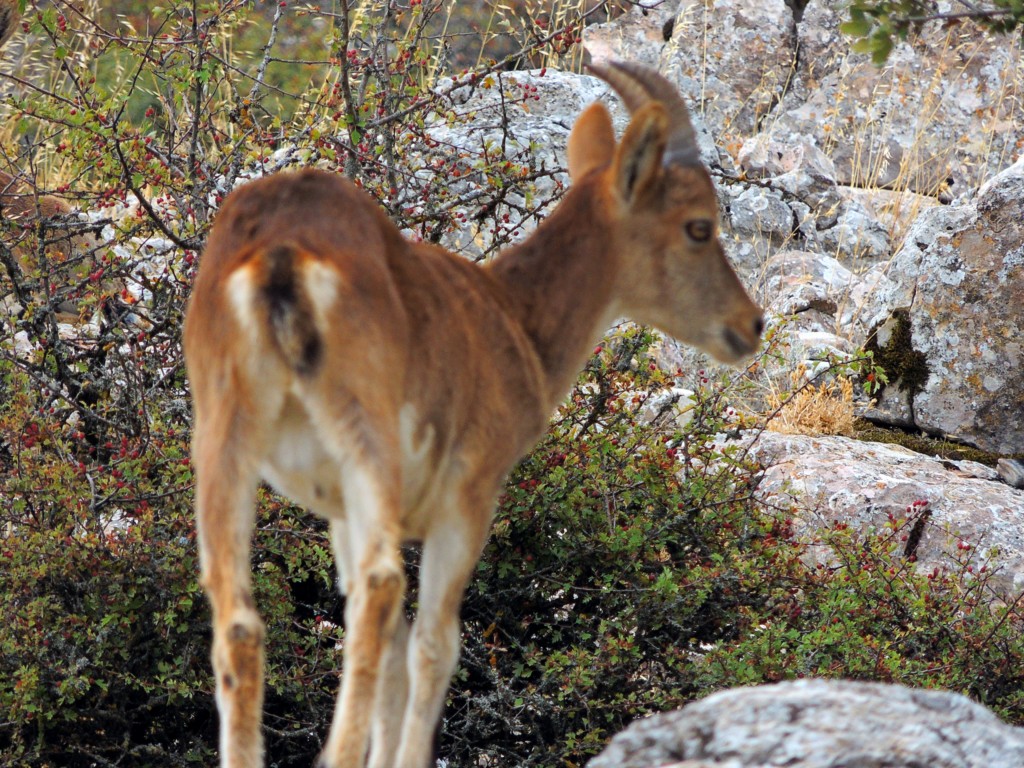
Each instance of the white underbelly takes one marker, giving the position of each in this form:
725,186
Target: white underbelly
301,467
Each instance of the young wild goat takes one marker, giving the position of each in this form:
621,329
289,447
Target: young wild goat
59,253
390,386
10,15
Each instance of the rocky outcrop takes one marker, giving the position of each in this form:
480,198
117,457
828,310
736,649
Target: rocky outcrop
820,724
939,117
951,320
939,113
944,317
733,59
637,35
836,479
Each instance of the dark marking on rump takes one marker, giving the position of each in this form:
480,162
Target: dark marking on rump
290,311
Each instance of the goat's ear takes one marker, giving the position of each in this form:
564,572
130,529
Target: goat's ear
592,141
638,159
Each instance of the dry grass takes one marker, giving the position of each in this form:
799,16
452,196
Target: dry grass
813,409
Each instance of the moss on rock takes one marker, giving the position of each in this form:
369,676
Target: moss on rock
925,444
892,344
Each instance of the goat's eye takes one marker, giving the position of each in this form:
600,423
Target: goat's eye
699,230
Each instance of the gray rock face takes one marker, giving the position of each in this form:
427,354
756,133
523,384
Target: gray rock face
940,116
799,135
939,111
860,483
820,724
733,59
1012,472
959,283
637,35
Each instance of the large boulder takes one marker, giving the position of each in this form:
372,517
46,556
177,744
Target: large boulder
637,35
820,724
837,479
951,320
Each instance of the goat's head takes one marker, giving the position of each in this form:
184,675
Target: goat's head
675,275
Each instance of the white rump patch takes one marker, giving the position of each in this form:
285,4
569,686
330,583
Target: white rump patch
241,293
320,282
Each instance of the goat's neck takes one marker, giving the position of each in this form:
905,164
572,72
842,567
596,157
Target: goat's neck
560,284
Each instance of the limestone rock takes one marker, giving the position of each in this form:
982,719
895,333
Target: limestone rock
861,483
1012,472
957,287
936,117
829,218
761,214
820,724
638,35
732,58
856,234
525,113
895,209
763,156
798,281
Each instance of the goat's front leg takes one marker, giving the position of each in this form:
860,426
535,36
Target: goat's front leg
450,554
373,579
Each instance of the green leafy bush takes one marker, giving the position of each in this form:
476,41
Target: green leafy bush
105,644
633,569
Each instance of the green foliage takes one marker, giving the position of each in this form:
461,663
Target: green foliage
876,25
892,346
867,611
105,644
613,558
631,570
97,573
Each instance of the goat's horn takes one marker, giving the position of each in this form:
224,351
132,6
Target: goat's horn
637,85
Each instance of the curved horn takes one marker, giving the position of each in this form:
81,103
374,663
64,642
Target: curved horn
637,85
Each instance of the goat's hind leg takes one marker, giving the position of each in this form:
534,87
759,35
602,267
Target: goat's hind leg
393,678
450,554
392,693
225,506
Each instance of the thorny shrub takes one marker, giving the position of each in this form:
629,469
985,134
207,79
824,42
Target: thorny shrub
631,569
